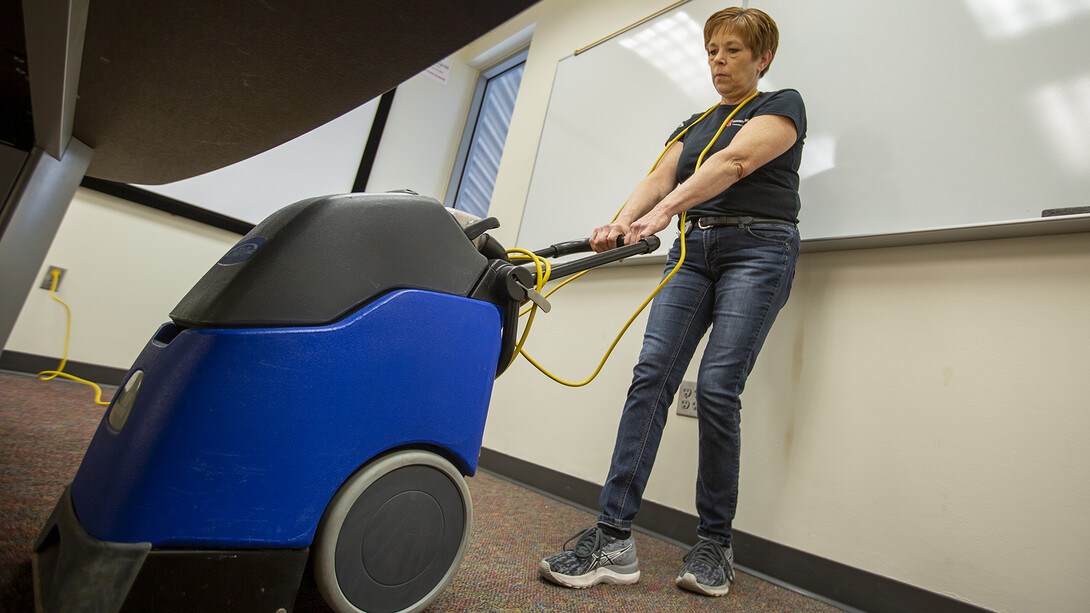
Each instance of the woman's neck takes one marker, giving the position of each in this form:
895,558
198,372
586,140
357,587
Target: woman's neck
734,99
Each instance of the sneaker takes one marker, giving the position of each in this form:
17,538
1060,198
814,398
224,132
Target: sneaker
595,558
709,569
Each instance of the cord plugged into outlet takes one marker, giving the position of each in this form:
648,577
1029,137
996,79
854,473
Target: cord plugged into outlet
47,281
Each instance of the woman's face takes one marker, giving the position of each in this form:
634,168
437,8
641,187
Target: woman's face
734,68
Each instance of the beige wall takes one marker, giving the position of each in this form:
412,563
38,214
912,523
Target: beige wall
127,266
918,412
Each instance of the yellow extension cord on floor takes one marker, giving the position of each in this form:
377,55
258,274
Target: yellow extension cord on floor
47,375
544,268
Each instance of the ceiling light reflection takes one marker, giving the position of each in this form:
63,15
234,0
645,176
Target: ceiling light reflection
1063,109
818,156
673,46
1011,18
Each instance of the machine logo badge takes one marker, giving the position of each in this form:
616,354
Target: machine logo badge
242,251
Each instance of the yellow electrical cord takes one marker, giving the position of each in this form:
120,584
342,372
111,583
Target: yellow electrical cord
540,262
544,269
47,375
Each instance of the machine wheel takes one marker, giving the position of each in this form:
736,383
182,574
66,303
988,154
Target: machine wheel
393,535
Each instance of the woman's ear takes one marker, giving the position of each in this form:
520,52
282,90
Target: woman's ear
765,60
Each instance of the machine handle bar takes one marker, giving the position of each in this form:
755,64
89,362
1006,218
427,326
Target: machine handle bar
646,245
567,248
570,247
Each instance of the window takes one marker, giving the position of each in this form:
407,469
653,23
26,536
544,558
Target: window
479,155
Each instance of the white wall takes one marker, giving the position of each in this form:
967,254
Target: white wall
918,412
422,132
322,161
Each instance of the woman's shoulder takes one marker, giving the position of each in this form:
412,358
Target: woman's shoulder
786,103
788,96
782,102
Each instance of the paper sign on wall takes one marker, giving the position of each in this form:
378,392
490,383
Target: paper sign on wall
439,72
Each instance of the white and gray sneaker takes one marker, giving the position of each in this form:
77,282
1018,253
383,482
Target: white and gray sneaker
595,558
709,569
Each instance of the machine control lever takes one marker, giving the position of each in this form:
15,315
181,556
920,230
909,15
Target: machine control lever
517,283
536,297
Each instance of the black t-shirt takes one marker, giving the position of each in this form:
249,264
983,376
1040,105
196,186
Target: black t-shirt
771,191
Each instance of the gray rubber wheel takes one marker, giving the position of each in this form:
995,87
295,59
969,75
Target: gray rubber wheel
393,535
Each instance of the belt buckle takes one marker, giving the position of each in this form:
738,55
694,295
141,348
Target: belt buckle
700,224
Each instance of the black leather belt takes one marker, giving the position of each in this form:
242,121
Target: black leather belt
724,220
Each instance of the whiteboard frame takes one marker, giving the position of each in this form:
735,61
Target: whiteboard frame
971,231
1021,228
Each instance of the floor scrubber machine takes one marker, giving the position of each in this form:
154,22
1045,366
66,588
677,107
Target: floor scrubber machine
314,402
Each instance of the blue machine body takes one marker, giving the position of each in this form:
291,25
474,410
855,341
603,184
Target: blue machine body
341,332
239,437
340,336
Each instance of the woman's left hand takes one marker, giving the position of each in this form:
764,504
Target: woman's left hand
653,222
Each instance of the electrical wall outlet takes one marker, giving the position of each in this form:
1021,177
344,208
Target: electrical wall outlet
686,399
47,282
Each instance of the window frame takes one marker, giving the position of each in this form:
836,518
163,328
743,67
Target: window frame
458,171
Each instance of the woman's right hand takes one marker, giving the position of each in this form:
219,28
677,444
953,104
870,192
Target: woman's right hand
604,237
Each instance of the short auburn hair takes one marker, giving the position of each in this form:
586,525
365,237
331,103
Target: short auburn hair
757,30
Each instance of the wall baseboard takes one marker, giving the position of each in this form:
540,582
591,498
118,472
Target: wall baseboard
33,364
838,584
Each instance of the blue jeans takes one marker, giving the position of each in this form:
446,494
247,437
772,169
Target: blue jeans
734,280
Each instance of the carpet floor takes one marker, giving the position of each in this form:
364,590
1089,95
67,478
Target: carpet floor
46,426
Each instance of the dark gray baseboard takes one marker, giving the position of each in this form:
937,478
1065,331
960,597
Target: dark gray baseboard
33,364
831,581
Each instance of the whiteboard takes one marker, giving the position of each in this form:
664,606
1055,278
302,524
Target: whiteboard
922,114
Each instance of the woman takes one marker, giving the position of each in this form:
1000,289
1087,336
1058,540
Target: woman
740,200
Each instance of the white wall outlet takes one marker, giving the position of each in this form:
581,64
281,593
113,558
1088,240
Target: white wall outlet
686,399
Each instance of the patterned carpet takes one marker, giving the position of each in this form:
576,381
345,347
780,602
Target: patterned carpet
45,427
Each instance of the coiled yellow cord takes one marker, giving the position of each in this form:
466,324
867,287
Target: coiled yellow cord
540,262
544,269
47,375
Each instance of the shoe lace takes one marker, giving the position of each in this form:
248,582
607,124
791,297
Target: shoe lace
712,554
586,542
